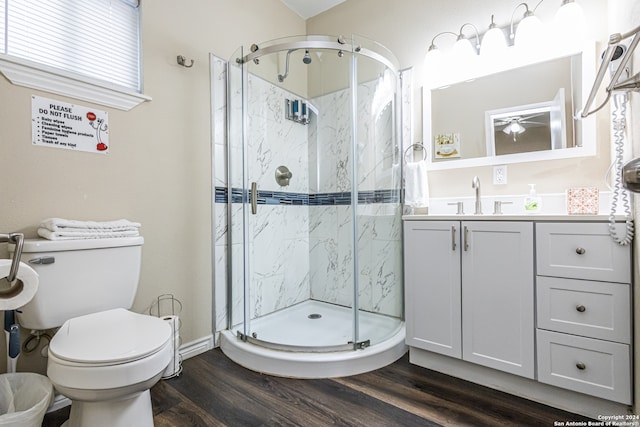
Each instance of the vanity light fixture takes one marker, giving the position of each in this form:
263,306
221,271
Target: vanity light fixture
433,58
529,29
433,49
462,48
529,38
493,41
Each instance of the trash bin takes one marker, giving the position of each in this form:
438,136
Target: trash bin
24,399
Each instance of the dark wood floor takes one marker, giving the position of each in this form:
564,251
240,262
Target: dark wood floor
214,391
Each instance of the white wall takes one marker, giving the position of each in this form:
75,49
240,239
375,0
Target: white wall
158,171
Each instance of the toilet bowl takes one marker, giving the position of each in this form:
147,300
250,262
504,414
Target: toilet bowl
106,362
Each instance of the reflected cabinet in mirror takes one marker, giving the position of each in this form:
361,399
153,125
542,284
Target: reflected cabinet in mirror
524,111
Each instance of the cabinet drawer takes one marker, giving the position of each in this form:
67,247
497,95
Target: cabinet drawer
581,307
582,251
586,365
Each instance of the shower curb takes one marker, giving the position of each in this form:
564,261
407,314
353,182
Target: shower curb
313,365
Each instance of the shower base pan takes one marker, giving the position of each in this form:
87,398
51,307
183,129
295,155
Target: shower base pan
316,324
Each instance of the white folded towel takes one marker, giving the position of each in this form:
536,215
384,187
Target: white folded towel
77,235
416,185
69,229
59,224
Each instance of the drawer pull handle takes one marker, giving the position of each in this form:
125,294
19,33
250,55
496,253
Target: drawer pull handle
581,308
580,251
581,366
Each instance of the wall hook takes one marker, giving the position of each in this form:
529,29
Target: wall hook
183,61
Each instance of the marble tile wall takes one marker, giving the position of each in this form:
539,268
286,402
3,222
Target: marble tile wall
303,248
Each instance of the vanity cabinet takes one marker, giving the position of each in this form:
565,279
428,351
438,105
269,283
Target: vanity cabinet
469,291
549,301
584,309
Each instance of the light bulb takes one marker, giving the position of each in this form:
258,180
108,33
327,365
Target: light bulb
463,60
433,63
570,24
433,57
462,49
513,128
493,42
529,33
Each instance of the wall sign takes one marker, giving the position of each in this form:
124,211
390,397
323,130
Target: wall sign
73,127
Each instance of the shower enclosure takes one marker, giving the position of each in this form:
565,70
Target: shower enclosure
314,167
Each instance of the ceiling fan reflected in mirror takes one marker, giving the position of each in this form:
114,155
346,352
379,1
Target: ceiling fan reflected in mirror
515,125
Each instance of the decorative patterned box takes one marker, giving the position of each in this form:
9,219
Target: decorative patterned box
582,201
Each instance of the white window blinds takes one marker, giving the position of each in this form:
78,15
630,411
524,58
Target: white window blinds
99,39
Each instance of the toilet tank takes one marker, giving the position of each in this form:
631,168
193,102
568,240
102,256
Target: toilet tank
79,277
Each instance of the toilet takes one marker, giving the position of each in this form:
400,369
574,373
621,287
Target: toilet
103,357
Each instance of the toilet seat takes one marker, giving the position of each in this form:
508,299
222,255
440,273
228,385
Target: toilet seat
108,350
81,381
108,338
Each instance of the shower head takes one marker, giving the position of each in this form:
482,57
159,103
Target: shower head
307,57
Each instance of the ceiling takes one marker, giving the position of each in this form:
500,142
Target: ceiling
309,8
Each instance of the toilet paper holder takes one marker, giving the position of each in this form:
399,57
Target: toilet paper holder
18,240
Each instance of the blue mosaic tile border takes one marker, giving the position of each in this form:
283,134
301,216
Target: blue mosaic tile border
301,199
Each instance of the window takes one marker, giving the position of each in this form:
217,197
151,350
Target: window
85,42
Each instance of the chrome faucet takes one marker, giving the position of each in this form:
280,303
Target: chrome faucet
475,184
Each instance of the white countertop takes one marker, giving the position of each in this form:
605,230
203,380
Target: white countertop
553,209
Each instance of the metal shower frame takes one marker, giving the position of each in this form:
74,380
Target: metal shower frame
338,43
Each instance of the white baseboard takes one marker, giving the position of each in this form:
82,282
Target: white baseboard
187,351
196,347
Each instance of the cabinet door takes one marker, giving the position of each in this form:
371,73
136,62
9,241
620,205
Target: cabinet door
432,286
498,295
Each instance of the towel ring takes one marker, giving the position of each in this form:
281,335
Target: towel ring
413,147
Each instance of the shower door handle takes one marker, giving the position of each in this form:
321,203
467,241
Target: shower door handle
253,197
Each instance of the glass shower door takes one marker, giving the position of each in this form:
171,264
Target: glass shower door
292,250
378,171
237,197
291,239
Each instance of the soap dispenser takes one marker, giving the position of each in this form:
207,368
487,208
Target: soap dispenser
532,202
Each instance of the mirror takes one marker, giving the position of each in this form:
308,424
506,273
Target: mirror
526,128
520,112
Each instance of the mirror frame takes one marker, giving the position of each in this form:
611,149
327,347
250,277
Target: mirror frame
585,129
